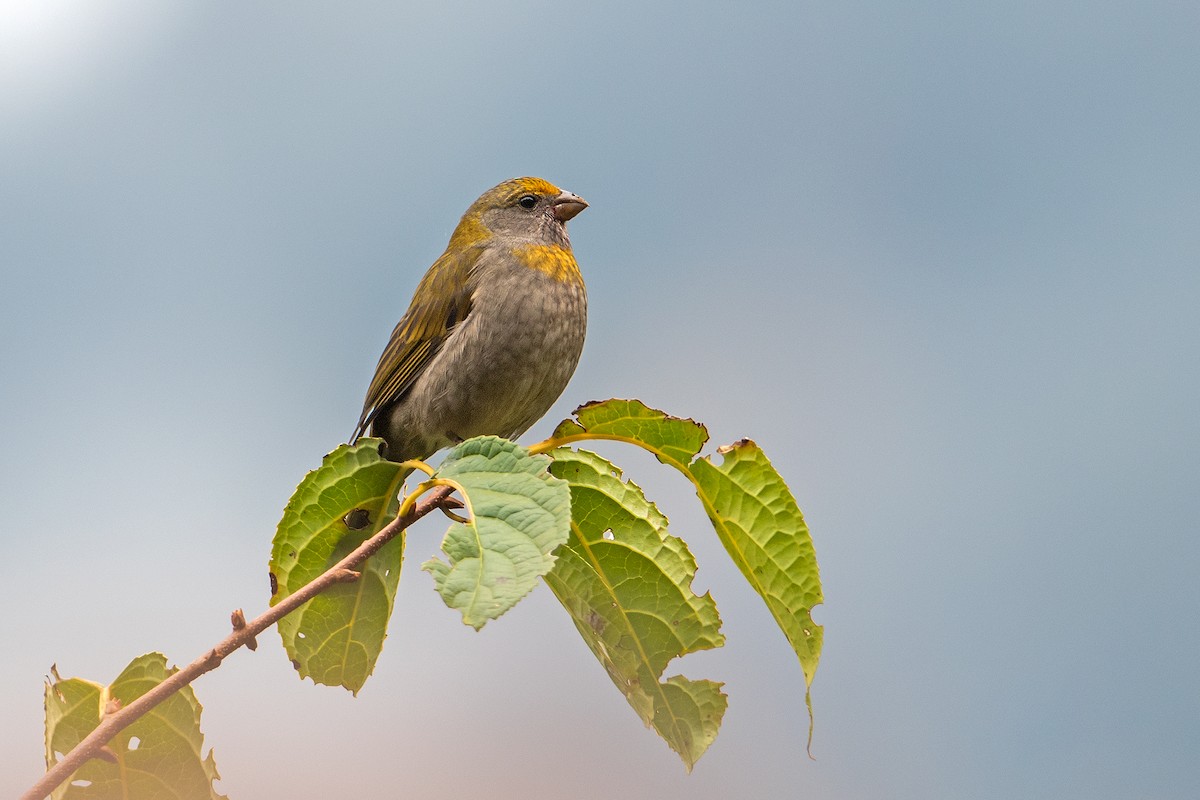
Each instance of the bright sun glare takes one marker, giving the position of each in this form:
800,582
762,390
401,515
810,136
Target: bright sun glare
50,49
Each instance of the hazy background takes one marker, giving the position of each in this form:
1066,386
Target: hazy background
939,259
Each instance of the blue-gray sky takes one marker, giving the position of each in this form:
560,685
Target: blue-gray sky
939,259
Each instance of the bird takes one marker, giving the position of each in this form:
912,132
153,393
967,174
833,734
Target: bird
494,330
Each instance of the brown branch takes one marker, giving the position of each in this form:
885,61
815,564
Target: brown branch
94,743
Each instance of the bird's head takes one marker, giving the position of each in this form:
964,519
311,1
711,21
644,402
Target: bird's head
522,209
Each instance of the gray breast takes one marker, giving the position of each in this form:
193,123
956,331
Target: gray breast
500,369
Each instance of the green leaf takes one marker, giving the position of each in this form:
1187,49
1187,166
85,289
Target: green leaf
674,440
518,514
627,585
754,514
157,757
336,637
761,526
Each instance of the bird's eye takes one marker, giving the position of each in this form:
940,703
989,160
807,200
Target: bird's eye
527,201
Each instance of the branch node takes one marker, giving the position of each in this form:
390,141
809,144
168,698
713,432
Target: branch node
106,753
346,576
238,619
112,706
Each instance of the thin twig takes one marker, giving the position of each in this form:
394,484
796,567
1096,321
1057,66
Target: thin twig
94,743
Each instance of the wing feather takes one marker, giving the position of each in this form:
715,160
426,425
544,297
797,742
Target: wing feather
442,301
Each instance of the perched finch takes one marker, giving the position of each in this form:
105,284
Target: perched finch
494,329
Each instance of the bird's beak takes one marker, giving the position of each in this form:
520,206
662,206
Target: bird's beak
567,205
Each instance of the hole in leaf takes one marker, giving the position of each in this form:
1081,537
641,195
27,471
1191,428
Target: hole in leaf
608,535
357,519
301,635
387,572
134,743
58,756
81,784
